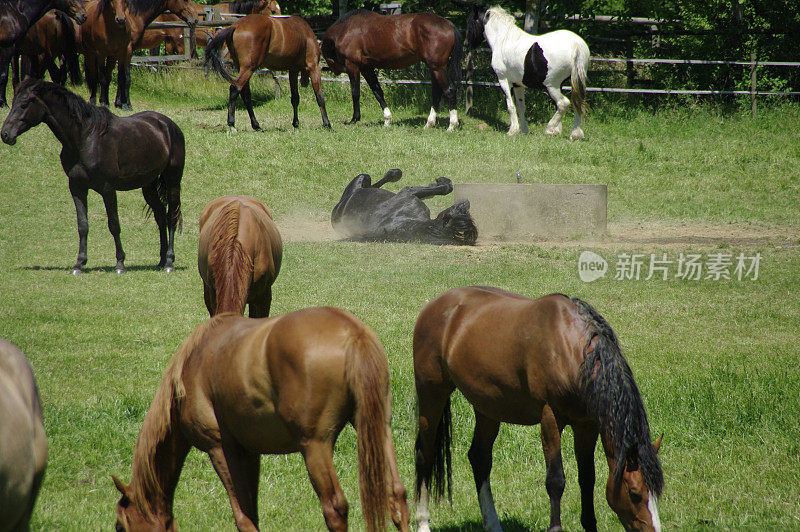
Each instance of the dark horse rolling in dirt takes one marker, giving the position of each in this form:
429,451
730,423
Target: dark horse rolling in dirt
552,361
106,153
368,212
16,17
361,41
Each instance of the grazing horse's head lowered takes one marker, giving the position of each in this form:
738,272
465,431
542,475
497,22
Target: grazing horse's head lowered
74,8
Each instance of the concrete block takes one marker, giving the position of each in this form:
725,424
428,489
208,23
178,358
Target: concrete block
525,212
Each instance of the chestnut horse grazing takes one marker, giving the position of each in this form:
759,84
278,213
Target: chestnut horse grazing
23,443
553,361
107,153
361,41
238,388
276,43
239,255
16,17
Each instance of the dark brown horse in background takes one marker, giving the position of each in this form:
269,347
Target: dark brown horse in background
23,442
111,34
552,361
107,153
238,388
239,255
16,17
276,43
361,41
52,37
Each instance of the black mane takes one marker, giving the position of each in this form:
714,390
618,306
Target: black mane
612,397
349,14
245,7
90,116
135,6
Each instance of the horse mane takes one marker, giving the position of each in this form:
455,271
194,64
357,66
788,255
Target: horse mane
349,14
82,112
141,6
612,397
160,420
102,5
232,267
244,7
502,14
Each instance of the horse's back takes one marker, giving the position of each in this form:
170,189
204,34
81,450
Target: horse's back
23,444
279,43
508,354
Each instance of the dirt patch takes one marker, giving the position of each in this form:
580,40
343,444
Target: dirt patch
305,227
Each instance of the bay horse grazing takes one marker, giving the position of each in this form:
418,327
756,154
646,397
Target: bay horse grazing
276,43
368,212
107,153
53,36
552,361
239,255
16,17
361,41
23,443
523,60
112,32
238,388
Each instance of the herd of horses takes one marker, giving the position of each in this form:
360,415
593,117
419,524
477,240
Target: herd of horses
241,387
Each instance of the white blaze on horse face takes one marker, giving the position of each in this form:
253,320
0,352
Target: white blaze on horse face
490,520
423,515
387,116
431,119
652,505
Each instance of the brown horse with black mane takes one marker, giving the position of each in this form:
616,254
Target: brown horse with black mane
54,36
276,43
238,388
361,41
112,32
239,255
552,361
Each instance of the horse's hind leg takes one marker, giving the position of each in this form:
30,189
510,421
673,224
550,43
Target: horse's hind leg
150,193
295,96
585,441
355,90
79,197
442,187
316,84
480,458
238,470
555,480
110,201
519,101
562,104
248,103
318,456
372,81
436,98
439,86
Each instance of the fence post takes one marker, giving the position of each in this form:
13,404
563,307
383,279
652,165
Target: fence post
753,63
470,76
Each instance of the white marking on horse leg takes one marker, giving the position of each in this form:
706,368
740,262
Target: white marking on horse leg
423,515
562,104
512,110
652,505
491,522
387,116
453,120
577,132
232,130
431,119
519,100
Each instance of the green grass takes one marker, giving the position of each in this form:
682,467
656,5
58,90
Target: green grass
716,362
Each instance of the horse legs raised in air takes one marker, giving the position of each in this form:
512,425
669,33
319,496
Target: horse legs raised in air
238,470
554,479
480,458
372,81
318,456
442,187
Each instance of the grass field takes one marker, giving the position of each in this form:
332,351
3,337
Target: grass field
716,361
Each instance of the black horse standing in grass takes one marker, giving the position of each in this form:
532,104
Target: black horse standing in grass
106,153
368,212
16,17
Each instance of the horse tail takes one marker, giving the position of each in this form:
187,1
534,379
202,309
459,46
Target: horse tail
70,48
213,60
607,388
454,66
166,179
367,371
439,476
230,263
580,62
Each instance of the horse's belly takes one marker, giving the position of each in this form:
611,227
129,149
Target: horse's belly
517,409
265,433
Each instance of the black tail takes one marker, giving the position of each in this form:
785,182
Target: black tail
70,48
439,474
213,60
454,68
612,397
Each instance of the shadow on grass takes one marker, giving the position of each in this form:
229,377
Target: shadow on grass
491,120
508,525
100,269
258,99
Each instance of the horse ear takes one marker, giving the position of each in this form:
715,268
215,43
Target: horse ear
657,443
122,488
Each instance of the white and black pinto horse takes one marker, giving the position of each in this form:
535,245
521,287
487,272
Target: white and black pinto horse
523,60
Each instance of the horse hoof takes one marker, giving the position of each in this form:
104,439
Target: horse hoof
232,130
168,269
119,271
76,271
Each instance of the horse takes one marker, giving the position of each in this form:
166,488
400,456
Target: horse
553,361
367,212
361,41
107,153
277,43
53,36
23,442
239,255
239,387
523,60
109,37
16,16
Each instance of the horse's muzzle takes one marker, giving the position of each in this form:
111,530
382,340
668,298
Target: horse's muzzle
120,21
8,139
80,18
